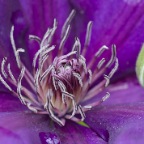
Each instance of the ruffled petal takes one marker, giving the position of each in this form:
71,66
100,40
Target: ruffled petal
27,128
114,22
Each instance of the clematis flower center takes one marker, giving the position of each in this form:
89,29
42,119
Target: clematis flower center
60,86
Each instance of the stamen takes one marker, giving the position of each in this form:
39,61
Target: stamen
44,53
74,109
19,85
90,76
53,116
2,67
52,32
113,56
67,22
82,113
46,73
63,40
95,90
69,54
101,50
36,57
107,95
37,75
54,83
29,105
97,74
107,77
65,93
19,50
114,69
75,119
43,61
48,95
88,37
46,35
97,54
77,47
10,74
47,39
63,89
101,62
16,53
83,62
87,107
107,80
36,38
68,95
79,78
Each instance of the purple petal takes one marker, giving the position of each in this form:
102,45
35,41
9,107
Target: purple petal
114,22
120,118
40,15
9,103
28,128
23,126
122,26
6,11
10,14
73,133
123,123
125,91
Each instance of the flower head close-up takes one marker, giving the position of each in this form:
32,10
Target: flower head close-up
71,72
61,86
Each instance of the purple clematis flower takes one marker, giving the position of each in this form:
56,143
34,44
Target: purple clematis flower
117,120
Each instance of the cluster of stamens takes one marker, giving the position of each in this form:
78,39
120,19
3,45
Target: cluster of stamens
59,86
